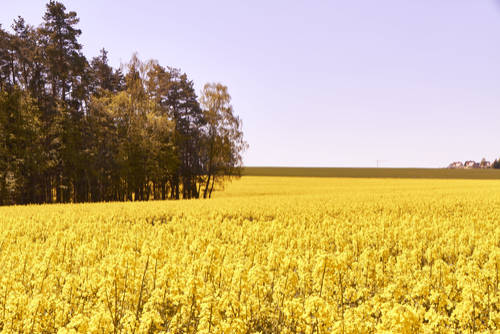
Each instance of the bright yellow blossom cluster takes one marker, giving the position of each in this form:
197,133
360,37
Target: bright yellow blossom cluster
269,255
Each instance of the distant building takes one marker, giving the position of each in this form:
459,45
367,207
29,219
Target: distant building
456,164
471,164
485,164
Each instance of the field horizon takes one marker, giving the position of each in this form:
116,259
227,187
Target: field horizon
367,172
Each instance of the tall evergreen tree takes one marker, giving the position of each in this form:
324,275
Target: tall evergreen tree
180,101
63,56
65,67
104,78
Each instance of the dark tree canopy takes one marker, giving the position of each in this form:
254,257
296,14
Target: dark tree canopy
78,130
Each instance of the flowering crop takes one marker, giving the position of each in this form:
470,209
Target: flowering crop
270,255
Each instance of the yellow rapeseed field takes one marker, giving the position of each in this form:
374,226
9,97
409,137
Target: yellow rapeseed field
270,255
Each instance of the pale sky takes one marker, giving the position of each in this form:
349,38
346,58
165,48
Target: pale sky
413,83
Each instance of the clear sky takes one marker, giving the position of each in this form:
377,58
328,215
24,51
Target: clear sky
413,83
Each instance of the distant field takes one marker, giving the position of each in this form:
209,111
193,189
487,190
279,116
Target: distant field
427,173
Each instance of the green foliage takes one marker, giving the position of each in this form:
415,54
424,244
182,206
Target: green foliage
20,146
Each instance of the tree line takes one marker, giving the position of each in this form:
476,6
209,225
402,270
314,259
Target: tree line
79,130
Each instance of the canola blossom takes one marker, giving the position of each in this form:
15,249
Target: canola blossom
268,255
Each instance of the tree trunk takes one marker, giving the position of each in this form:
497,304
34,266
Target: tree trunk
206,186
212,187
